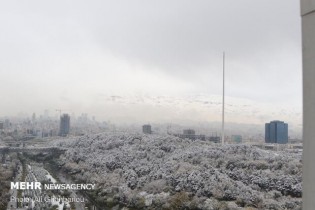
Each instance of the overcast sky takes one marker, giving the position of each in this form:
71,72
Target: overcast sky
75,54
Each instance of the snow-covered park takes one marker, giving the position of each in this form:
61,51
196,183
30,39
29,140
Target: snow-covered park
166,172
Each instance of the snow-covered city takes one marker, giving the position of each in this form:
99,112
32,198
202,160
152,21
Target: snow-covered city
157,105
145,169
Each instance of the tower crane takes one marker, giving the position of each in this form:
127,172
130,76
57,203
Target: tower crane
60,110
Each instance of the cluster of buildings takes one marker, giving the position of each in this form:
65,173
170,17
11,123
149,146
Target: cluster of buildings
5,124
190,134
276,132
24,127
187,134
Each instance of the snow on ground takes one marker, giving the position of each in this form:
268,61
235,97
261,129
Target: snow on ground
55,201
50,178
168,172
42,175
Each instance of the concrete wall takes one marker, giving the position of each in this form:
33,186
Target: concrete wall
308,42
307,6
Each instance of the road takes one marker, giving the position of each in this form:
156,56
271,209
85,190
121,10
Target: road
13,192
74,194
34,175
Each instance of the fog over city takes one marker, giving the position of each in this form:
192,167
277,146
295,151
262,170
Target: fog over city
152,61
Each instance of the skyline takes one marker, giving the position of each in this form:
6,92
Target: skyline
175,112
78,56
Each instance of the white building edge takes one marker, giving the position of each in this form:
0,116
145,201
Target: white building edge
308,43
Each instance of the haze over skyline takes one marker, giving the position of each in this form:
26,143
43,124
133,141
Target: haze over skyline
152,61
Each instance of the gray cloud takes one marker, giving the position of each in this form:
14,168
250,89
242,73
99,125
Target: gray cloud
81,46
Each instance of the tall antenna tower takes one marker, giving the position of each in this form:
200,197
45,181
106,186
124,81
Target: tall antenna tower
222,132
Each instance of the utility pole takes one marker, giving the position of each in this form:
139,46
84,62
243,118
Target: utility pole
222,132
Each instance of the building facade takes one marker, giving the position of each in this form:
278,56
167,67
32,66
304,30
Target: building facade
190,134
308,46
146,129
236,139
64,125
276,132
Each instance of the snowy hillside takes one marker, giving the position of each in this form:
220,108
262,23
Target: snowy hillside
165,172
